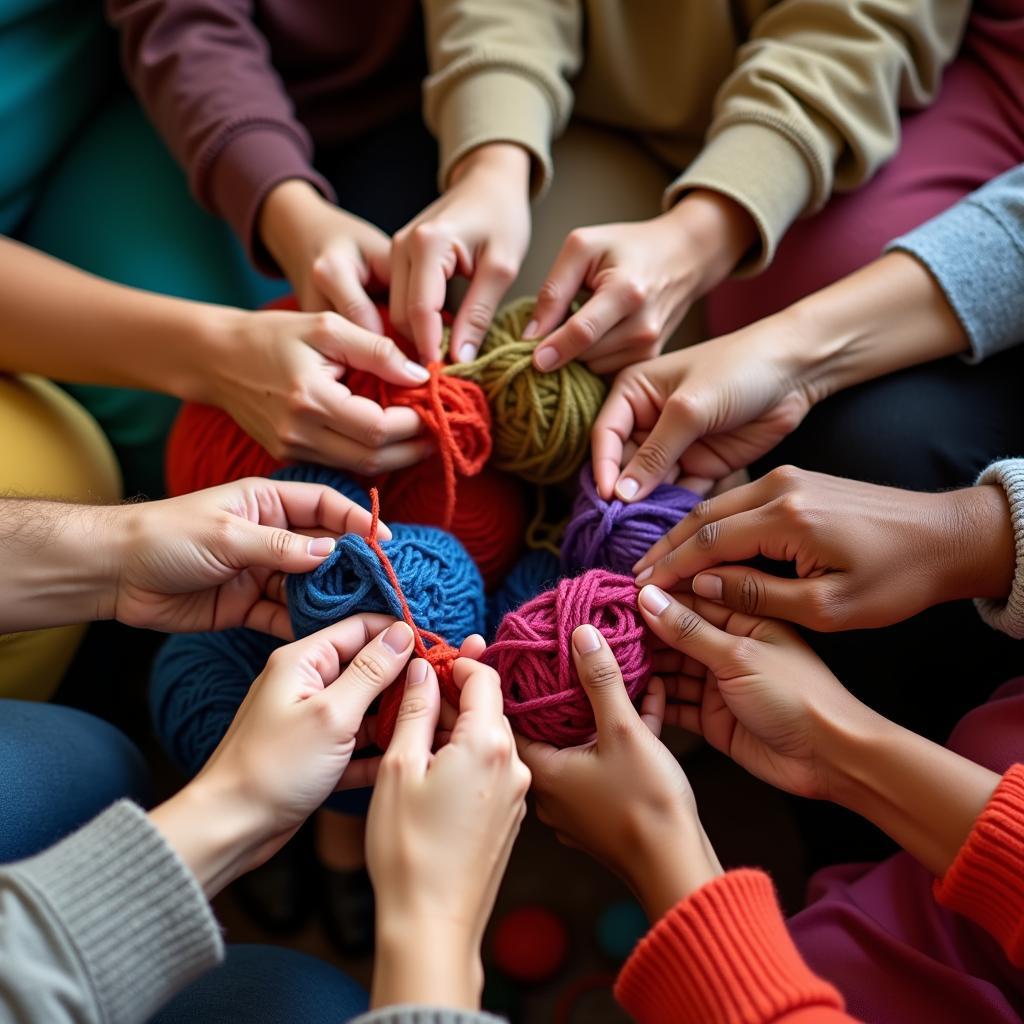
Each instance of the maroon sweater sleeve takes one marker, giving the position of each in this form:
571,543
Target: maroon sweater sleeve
203,71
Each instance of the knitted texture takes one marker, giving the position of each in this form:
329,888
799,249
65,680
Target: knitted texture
535,572
1008,615
614,535
542,421
544,698
489,518
985,882
723,956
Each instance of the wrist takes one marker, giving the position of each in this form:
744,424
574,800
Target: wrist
286,207
222,338
504,164
715,226
979,539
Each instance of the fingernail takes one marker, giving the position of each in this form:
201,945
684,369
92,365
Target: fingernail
654,599
545,358
320,547
397,638
530,331
421,373
467,353
645,574
626,488
586,640
708,586
417,672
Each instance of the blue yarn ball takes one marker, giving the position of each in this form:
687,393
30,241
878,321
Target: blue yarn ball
534,573
197,683
441,583
310,473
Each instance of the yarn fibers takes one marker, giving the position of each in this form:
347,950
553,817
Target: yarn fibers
615,535
544,698
541,421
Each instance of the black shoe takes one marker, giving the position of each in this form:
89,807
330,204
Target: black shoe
347,910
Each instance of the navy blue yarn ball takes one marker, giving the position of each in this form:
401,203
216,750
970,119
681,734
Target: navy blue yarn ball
534,573
441,583
310,473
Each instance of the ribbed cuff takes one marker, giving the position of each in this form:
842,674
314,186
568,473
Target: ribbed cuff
1008,616
979,268
246,168
134,913
494,105
425,1015
763,171
721,957
986,881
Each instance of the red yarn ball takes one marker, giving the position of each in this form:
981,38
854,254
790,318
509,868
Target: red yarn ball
207,447
530,944
489,519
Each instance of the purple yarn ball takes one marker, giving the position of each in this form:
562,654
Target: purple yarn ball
614,535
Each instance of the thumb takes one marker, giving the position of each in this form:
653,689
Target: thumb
757,593
683,629
602,680
354,346
413,737
270,547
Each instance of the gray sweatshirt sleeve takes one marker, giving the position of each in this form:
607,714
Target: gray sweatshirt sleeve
1008,615
425,1015
975,251
104,926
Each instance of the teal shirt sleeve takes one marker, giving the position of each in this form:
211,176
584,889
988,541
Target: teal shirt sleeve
975,251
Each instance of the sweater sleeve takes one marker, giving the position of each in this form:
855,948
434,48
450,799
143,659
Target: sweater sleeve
105,926
813,104
975,251
203,72
425,1015
1008,616
500,74
986,881
724,956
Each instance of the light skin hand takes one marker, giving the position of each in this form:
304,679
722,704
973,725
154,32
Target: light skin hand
622,797
439,835
332,258
479,229
865,556
643,278
289,747
756,692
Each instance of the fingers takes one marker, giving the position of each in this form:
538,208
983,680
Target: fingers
473,647
372,670
585,328
422,263
608,437
685,630
652,707
327,650
413,737
337,279
248,544
490,282
535,754
360,419
315,506
352,345
602,680
752,592
480,691
555,295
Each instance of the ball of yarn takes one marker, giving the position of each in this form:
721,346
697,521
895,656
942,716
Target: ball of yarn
310,473
544,698
197,683
442,585
489,519
614,535
620,927
206,447
535,572
530,944
541,421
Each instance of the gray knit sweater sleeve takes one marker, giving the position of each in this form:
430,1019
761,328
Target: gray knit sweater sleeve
1008,615
425,1015
104,926
975,251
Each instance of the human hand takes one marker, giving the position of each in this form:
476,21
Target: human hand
478,229
281,377
288,748
865,556
622,797
331,258
643,277
439,834
202,561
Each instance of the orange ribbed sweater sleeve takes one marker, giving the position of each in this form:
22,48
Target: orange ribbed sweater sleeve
986,881
724,956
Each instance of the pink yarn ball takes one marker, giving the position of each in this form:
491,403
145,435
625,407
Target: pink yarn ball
532,652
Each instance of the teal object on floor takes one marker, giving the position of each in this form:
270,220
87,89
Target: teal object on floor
620,927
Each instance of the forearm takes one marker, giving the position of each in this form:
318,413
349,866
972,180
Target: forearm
923,796
63,323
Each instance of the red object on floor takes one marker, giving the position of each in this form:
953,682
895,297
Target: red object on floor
530,944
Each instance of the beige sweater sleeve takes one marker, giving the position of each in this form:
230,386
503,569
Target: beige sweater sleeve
813,104
513,58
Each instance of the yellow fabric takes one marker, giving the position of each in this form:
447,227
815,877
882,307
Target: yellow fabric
50,448
775,103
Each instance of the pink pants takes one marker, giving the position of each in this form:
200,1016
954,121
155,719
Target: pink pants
973,132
